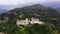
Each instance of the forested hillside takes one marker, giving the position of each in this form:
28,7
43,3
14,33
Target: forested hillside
45,14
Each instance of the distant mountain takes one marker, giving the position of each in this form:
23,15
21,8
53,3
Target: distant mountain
9,7
3,10
58,9
45,14
37,10
55,5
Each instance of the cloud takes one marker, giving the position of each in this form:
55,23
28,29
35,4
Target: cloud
10,4
7,2
53,0
15,2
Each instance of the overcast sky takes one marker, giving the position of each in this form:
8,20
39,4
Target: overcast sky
7,4
16,2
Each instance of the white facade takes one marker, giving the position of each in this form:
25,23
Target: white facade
32,21
23,22
35,20
2,33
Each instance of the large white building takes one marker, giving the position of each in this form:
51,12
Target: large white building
26,21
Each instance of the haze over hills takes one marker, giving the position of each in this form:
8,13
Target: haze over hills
3,10
58,9
54,5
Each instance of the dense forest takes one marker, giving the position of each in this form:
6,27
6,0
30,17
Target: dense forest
48,15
